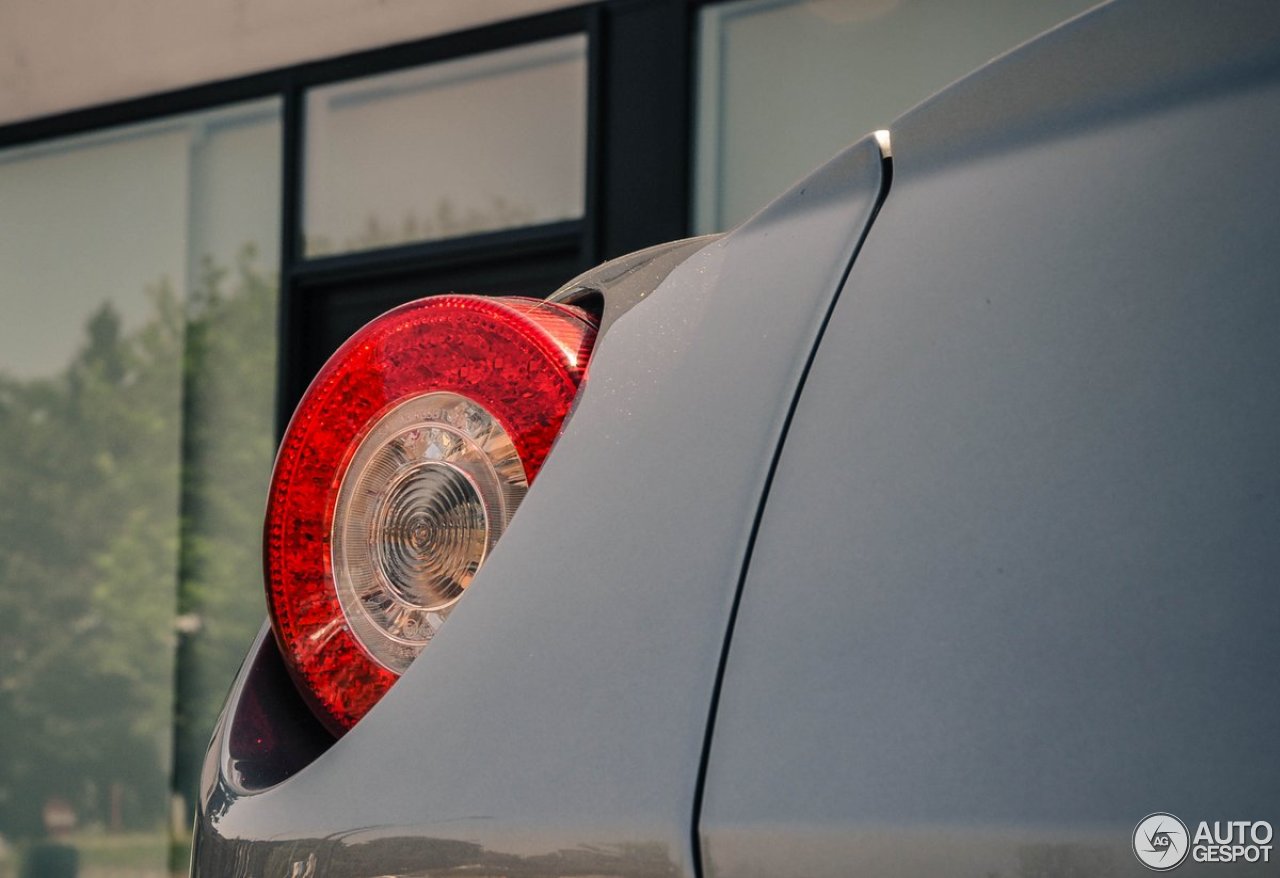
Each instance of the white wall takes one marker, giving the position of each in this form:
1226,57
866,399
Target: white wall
58,55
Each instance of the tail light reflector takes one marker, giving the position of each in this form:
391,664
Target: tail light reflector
398,473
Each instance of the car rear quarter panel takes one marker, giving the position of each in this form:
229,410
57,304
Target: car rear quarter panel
1014,586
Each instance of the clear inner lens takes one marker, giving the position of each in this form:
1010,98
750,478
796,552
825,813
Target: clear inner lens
428,533
429,490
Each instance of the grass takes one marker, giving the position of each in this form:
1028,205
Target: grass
115,855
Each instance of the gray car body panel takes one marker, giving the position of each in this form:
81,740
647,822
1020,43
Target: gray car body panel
1014,583
556,725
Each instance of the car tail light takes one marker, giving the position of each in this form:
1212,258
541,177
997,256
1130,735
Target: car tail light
400,469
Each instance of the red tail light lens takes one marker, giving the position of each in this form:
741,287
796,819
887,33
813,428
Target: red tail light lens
401,467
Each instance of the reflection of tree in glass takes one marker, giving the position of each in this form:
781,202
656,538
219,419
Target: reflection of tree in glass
89,473
228,446
445,221
95,465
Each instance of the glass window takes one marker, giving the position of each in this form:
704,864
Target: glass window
487,142
229,410
785,84
137,372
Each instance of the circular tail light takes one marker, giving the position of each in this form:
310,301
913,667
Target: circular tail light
399,471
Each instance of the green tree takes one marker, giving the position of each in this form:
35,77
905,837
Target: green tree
131,492
227,452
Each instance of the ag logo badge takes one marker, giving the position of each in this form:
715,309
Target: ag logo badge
1161,842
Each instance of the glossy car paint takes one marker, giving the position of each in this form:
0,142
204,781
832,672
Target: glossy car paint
1009,590
556,725
1015,579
